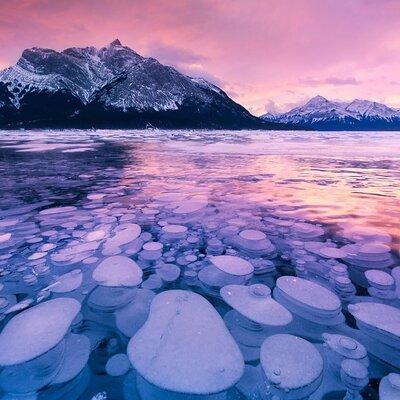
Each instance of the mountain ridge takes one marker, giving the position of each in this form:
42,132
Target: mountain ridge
322,114
112,87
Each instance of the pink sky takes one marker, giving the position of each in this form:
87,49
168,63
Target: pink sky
269,55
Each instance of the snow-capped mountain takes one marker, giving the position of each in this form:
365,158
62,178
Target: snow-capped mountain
111,87
322,114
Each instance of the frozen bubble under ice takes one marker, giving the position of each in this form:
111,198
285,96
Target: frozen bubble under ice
208,361
232,265
118,365
118,271
35,331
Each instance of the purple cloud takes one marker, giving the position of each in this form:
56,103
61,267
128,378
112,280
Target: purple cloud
332,80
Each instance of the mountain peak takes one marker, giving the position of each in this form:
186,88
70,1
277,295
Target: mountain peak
317,100
116,42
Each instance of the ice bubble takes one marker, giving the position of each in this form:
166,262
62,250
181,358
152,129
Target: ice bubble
118,365
308,300
185,347
74,252
37,256
249,384
189,206
153,246
215,247
131,318
30,279
57,210
75,358
68,282
292,365
47,247
96,196
255,303
33,332
174,231
125,234
95,235
253,243
379,279
380,320
306,231
19,306
109,299
354,376
366,234
253,235
345,347
153,282
168,272
5,237
24,379
232,265
332,252
389,387
118,271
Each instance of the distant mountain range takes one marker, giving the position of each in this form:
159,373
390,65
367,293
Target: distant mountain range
115,87
322,114
112,87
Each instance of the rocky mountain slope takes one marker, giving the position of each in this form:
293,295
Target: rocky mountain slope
112,87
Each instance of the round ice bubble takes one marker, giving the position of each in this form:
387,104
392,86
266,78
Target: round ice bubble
118,271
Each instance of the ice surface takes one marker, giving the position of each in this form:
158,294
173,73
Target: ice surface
273,206
185,347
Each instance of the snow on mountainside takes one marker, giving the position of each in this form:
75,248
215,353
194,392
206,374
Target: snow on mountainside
110,87
320,113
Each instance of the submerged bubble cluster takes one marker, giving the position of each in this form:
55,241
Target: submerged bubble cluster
169,298
115,290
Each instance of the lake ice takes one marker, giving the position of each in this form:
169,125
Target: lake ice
199,265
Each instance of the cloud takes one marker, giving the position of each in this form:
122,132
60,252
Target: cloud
332,80
174,55
244,43
271,107
185,60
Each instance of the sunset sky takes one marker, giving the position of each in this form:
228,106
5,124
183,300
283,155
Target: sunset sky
268,55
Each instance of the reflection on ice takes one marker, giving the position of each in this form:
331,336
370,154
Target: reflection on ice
127,274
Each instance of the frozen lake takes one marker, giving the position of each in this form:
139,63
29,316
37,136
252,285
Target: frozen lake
94,225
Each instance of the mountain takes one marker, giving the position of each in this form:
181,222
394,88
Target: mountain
322,114
112,87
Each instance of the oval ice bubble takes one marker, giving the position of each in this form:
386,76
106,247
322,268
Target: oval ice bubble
118,271
255,303
232,265
292,365
68,282
185,347
35,331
